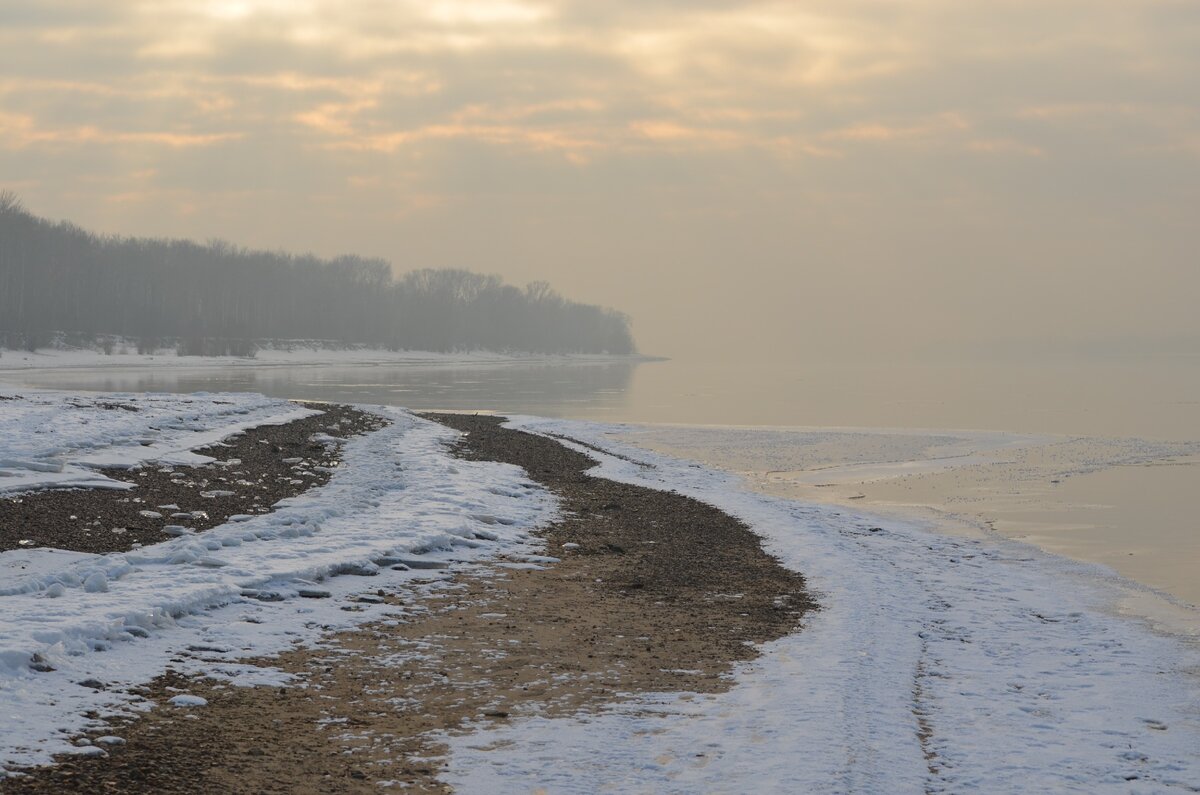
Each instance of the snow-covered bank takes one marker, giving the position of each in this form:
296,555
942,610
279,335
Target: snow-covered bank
299,356
935,664
1118,502
244,588
58,439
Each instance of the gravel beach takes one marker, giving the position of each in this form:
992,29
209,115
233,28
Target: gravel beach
252,471
653,592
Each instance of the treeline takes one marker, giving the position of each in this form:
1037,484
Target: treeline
219,298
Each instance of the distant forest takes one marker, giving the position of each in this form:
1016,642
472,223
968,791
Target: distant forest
216,298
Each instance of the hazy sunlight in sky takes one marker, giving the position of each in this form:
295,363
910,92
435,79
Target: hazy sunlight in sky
792,178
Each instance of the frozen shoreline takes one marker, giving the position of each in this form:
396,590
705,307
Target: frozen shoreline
935,663
1097,500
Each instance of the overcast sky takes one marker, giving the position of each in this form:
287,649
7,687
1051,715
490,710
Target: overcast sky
838,177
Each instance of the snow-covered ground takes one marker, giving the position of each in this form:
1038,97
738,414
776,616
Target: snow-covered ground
238,589
936,664
56,439
86,358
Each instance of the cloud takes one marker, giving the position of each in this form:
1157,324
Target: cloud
20,131
578,139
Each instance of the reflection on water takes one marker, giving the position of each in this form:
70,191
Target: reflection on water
598,389
1147,399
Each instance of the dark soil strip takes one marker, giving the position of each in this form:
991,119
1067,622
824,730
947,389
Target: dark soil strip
663,547
662,594
253,471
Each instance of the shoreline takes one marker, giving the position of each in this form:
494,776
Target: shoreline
1064,496
957,661
633,604
82,359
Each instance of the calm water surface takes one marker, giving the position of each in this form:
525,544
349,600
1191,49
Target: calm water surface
1158,399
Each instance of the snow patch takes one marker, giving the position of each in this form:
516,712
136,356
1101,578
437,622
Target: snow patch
398,496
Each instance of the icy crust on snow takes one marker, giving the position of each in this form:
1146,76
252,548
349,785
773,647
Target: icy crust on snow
57,439
251,587
935,664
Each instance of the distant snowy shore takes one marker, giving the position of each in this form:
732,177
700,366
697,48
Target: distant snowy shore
285,356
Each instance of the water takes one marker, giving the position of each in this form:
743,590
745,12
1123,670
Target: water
1153,399
594,389
1097,460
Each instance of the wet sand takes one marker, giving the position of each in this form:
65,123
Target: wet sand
654,592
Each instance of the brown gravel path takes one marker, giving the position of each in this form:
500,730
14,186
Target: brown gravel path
658,584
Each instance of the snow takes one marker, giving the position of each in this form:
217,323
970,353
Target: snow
185,700
938,664
58,439
935,664
238,590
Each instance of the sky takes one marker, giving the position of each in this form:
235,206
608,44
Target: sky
796,179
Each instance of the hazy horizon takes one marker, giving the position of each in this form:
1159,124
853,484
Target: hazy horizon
768,180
